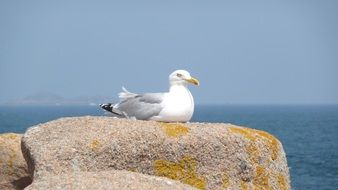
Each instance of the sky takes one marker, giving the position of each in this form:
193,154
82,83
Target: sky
242,51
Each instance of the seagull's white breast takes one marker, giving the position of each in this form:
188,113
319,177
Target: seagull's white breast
178,105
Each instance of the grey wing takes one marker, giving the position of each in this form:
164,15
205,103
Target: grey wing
142,106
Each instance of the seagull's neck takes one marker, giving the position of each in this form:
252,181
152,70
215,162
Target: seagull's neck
178,88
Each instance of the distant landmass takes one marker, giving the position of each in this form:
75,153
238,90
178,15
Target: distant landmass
51,99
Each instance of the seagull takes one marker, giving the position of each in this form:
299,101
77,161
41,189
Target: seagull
177,105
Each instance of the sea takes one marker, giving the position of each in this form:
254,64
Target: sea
309,133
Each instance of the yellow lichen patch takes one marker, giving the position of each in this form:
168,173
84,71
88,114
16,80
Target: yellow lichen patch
11,143
225,180
244,185
174,129
253,152
261,180
10,163
185,171
254,135
95,145
246,132
8,136
281,182
12,136
272,143
11,160
132,169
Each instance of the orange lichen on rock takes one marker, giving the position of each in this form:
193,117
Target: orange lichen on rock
255,135
244,185
95,145
9,136
253,151
261,180
13,136
174,129
281,182
246,132
185,171
132,169
225,180
272,143
11,160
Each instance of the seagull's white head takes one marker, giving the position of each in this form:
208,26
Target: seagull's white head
182,77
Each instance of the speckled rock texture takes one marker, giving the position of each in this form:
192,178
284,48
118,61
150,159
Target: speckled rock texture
109,180
13,168
203,155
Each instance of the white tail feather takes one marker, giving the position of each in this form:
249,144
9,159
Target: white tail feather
125,94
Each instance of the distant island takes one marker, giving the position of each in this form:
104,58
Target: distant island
51,99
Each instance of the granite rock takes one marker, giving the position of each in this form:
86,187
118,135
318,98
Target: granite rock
13,168
109,180
203,155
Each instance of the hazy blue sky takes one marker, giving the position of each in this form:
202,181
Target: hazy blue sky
271,52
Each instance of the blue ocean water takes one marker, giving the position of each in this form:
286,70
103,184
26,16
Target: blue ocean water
309,134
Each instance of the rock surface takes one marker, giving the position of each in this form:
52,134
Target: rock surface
109,180
206,156
13,168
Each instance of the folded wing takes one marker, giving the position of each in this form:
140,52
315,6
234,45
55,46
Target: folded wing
142,106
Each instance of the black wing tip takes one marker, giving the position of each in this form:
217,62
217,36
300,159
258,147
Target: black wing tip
107,107
103,105
110,108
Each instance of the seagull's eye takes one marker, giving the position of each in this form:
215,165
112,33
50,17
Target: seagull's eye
179,75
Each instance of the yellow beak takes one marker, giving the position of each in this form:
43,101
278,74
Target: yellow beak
194,81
